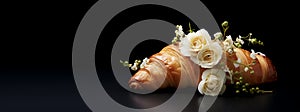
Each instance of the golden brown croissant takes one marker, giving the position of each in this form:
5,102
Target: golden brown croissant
169,64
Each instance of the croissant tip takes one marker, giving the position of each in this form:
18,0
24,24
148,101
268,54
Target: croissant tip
135,85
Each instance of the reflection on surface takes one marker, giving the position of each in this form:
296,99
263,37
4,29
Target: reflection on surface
224,103
259,103
150,100
159,97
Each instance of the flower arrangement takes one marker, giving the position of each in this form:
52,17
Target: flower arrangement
208,53
220,60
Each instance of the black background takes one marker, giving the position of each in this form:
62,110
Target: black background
36,50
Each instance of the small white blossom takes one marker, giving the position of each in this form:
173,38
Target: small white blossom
228,43
246,69
260,53
230,51
218,35
144,63
179,27
229,40
237,64
253,54
239,40
134,67
175,39
252,40
179,32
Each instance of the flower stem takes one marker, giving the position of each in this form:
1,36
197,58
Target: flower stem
267,91
190,30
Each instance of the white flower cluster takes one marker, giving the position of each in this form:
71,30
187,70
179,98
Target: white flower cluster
136,65
179,34
201,49
208,53
144,63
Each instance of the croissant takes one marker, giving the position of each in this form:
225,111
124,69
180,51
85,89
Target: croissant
165,68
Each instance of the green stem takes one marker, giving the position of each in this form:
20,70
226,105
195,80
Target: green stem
224,32
267,91
190,30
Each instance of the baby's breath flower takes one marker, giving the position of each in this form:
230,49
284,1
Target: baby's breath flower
246,69
125,63
252,40
179,27
144,63
253,54
229,40
218,35
252,72
260,53
237,63
134,67
230,51
179,32
175,39
239,40
228,43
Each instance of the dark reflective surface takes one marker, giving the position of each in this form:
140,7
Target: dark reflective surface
36,62
278,101
41,92
282,99
224,103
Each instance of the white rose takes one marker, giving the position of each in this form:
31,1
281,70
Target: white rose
209,56
194,42
212,82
